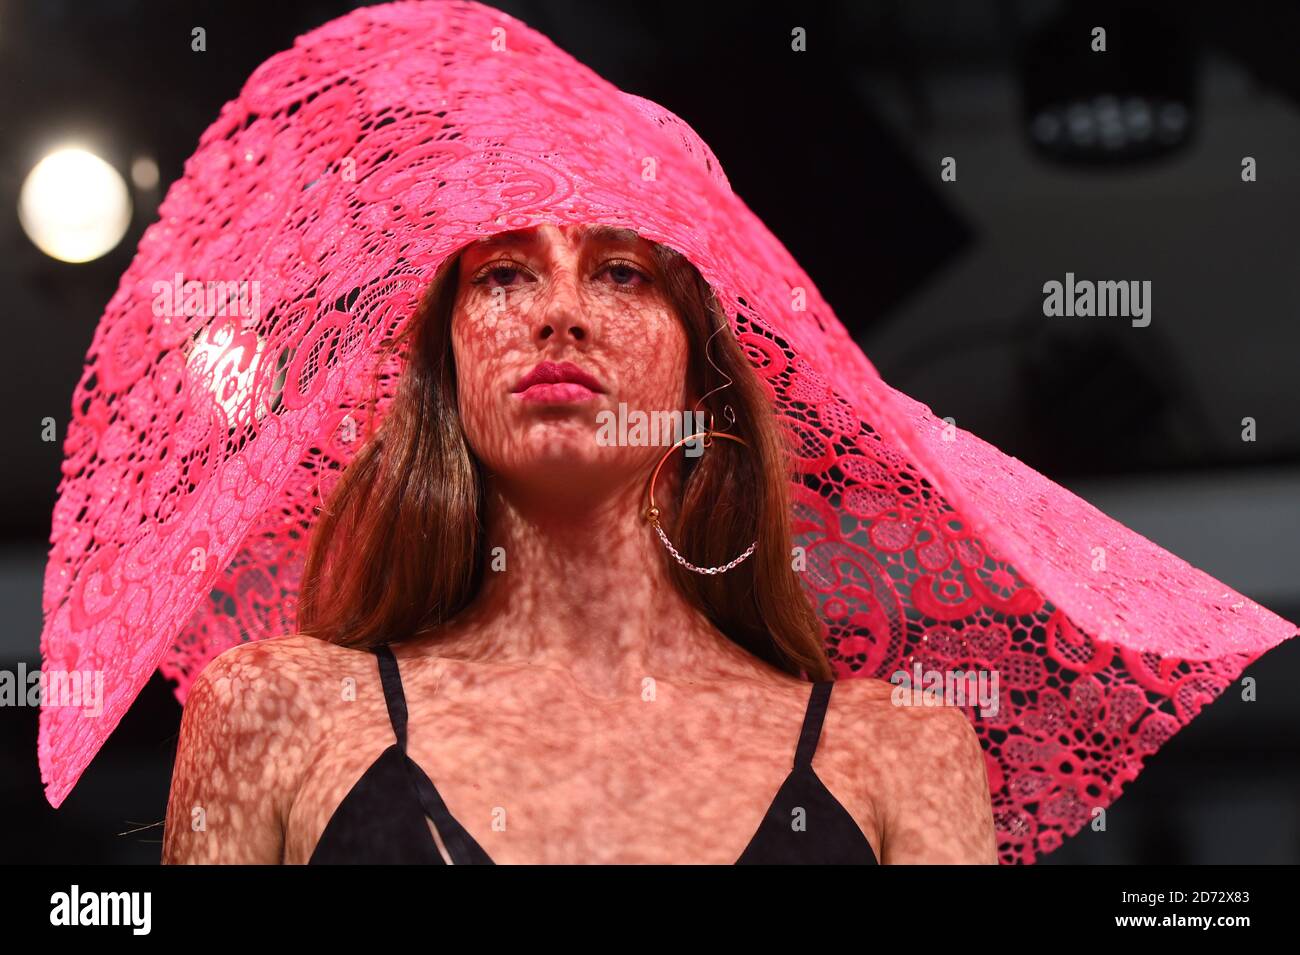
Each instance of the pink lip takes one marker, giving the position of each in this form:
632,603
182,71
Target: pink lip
561,391
564,381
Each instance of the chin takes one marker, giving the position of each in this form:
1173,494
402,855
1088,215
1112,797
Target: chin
553,446
549,435
570,455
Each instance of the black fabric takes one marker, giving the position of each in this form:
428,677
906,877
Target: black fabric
383,817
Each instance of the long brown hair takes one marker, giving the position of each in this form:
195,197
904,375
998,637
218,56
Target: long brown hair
398,547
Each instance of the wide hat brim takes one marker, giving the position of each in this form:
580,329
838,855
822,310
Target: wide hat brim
349,167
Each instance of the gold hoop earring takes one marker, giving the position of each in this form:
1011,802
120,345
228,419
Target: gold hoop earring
652,512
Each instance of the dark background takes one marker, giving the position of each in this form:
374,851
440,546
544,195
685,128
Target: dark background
838,150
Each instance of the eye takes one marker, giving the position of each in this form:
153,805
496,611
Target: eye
499,274
625,274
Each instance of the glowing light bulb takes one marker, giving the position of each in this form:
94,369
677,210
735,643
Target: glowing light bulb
74,206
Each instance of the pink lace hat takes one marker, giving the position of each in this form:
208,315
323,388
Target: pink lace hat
230,371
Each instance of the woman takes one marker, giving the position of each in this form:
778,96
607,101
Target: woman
429,178
576,695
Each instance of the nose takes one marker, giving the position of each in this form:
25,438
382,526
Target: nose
563,318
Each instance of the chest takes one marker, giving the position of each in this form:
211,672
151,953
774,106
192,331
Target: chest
538,772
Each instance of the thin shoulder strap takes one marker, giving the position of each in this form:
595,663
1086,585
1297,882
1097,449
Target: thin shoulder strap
460,844
391,678
818,699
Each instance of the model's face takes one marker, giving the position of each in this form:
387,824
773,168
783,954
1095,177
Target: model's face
551,326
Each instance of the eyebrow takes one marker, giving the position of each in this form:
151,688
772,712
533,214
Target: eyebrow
527,237
611,234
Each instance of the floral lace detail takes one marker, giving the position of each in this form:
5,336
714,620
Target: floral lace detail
348,168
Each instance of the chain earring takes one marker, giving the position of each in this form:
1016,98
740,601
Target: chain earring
652,511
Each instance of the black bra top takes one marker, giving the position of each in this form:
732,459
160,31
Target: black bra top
383,819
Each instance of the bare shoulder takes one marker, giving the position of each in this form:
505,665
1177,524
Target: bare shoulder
290,656
247,732
873,706
271,691
863,690
927,773
866,704
285,675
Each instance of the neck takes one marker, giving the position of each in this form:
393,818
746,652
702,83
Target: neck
584,588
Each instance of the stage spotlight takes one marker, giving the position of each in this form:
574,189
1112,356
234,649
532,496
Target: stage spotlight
1132,100
74,206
